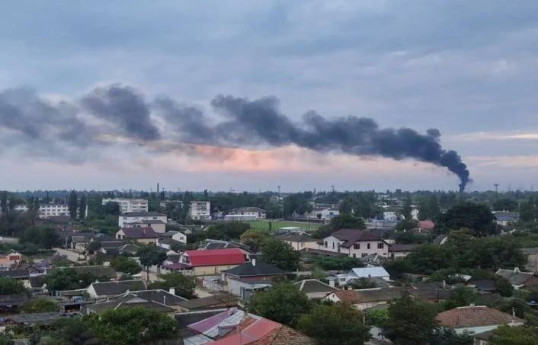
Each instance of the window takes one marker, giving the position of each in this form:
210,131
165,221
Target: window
325,244
380,245
357,246
363,254
368,246
333,245
354,255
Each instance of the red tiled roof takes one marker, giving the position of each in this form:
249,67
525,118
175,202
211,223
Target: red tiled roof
474,316
140,232
426,225
216,257
347,296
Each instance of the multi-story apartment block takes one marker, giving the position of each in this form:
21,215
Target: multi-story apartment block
47,210
129,205
200,210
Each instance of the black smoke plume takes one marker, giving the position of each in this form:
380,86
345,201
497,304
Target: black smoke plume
240,123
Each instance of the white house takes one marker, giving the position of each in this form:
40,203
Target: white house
475,319
325,213
129,205
363,272
390,214
355,243
200,210
133,218
255,212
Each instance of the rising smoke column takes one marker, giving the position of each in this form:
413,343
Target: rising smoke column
120,111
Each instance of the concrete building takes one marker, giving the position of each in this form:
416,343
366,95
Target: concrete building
200,210
49,210
255,212
141,218
355,243
129,205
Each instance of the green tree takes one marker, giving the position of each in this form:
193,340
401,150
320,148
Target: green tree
429,207
72,204
184,286
282,303
254,238
338,324
467,215
68,279
82,203
6,339
42,236
39,305
10,286
506,335
460,296
128,326
227,231
125,265
505,204
150,256
69,331
346,206
527,211
280,254
409,322
446,336
407,208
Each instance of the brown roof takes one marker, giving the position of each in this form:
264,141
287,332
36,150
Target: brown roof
350,236
474,316
284,336
348,296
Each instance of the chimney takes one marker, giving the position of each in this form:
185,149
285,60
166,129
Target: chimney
253,262
172,291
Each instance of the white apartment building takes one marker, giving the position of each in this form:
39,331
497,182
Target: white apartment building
129,205
200,210
47,210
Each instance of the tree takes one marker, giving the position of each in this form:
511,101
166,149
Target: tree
527,211
447,336
343,221
72,204
282,303
125,265
82,207
338,324
150,256
42,236
346,206
476,217
69,279
10,286
407,208
254,239
505,204
280,254
409,322
227,231
184,286
39,305
5,339
506,335
429,208
460,296
69,331
127,326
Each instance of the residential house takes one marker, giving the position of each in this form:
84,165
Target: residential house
251,276
175,235
518,279
129,205
109,246
505,218
425,226
114,288
299,241
391,214
369,298
10,259
475,319
323,213
22,276
143,235
138,218
208,262
440,240
363,272
400,251
158,300
210,244
532,259
200,210
246,213
315,289
255,330
385,224
217,301
355,243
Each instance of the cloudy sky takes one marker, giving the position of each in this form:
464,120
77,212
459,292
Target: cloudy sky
213,94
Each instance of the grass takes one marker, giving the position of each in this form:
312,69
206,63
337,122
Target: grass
277,224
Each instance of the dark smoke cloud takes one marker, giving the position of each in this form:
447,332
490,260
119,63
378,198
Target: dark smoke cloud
242,123
124,106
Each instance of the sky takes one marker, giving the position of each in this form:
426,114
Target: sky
213,94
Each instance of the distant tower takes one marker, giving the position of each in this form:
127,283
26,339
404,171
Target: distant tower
496,188
332,186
